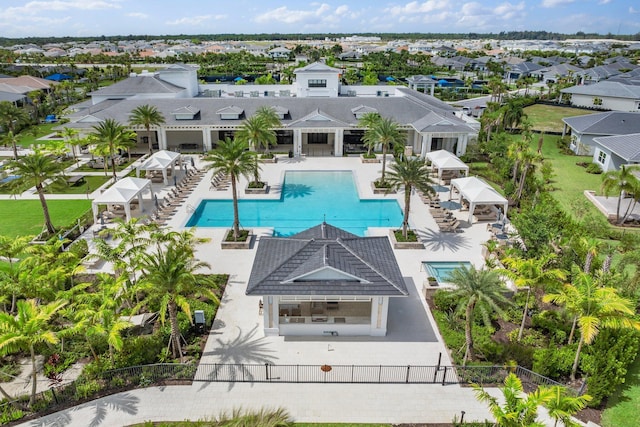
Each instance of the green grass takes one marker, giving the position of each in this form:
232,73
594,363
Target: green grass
43,129
91,183
548,118
24,217
119,168
622,407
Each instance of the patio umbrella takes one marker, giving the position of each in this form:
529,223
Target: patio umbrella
155,200
175,181
193,163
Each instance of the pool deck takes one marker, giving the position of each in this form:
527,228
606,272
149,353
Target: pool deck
237,334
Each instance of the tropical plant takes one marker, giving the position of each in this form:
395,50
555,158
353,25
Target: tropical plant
367,121
561,406
481,289
520,409
146,116
170,280
10,249
595,307
30,327
109,137
407,174
11,119
258,130
532,273
37,169
620,181
232,158
386,132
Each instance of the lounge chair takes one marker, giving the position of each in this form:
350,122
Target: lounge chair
449,228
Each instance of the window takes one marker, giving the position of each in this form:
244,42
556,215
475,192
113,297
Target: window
602,157
317,83
317,138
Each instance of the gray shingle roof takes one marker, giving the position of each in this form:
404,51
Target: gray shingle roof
606,88
138,85
361,266
606,124
625,146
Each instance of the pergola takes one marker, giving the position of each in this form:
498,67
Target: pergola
444,160
160,161
477,192
122,193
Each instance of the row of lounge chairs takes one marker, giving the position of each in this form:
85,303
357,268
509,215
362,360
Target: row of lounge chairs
177,196
220,182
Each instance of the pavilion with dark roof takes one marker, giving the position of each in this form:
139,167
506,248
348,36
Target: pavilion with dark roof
325,281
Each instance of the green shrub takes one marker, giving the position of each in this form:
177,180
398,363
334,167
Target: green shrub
454,340
142,350
445,300
530,337
594,168
605,362
553,323
79,248
9,413
554,362
86,389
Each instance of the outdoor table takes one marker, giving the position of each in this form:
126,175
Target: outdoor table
75,179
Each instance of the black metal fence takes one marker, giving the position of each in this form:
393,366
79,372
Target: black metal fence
117,380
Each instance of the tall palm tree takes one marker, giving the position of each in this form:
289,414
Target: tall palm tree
36,169
596,307
11,118
169,282
532,273
71,137
30,327
367,121
407,174
232,158
620,181
562,406
387,133
482,289
146,116
520,409
111,136
258,131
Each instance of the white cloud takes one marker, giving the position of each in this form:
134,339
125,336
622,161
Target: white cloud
632,10
320,13
604,2
476,16
554,3
190,20
415,7
35,7
138,15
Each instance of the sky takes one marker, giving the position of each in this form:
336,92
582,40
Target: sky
170,17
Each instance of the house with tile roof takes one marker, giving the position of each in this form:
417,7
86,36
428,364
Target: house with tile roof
611,152
320,117
325,281
584,129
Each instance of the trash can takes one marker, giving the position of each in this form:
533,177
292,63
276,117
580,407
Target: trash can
290,154
199,321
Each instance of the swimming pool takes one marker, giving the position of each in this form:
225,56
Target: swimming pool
307,199
8,179
441,269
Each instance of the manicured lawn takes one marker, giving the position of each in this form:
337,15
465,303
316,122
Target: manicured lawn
43,129
549,118
24,217
91,183
120,167
622,407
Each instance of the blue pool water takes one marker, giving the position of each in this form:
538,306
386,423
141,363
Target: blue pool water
440,269
8,179
307,199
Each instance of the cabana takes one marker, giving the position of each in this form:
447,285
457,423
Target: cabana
122,193
443,160
160,161
477,192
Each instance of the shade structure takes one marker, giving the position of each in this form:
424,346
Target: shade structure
122,193
477,192
162,161
444,160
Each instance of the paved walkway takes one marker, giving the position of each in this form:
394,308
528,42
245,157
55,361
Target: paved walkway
237,335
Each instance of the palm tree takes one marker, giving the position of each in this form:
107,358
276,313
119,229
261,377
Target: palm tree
36,169
562,406
520,409
31,326
111,136
621,181
71,137
482,289
367,121
11,118
146,116
10,248
169,282
596,308
387,133
532,273
258,131
232,158
407,174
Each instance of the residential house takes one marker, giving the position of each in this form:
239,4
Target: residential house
584,129
611,152
605,95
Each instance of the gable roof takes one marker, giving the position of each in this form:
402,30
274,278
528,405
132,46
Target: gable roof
605,124
359,266
142,84
317,67
319,119
605,88
625,146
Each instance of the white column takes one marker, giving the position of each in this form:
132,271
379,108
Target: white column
426,140
297,142
463,140
338,144
162,138
379,310
206,139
